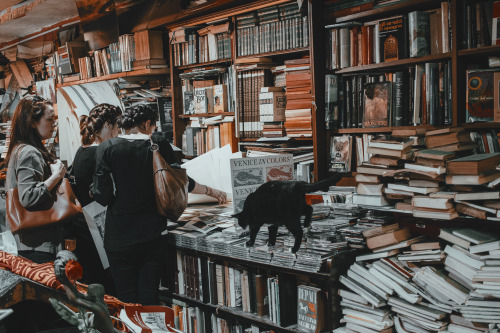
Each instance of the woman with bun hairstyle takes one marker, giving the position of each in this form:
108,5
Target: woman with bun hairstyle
100,125
123,181
35,172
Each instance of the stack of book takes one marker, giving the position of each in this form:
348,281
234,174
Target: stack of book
433,207
387,154
214,42
465,175
299,99
451,139
184,43
272,104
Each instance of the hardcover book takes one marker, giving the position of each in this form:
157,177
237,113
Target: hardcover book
480,94
393,39
419,34
203,100
272,106
331,99
377,104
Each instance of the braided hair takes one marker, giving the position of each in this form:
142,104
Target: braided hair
137,115
91,125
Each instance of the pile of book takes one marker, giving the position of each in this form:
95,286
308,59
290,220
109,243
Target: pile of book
424,287
272,104
388,153
214,42
299,99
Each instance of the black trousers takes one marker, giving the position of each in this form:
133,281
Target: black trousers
137,271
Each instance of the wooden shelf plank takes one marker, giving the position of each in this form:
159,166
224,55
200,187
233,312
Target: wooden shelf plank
255,139
487,50
203,64
386,11
395,63
200,115
381,129
269,54
223,311
487,125
140,72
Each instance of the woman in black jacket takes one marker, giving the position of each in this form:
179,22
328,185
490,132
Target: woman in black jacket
123,181
100,125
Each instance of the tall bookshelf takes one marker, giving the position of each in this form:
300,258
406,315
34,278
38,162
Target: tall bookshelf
458,56
238,9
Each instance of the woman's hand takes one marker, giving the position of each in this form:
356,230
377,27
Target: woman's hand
58,169
219,195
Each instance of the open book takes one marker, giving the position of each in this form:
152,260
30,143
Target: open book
148,319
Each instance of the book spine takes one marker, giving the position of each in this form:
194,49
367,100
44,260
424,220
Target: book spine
345,48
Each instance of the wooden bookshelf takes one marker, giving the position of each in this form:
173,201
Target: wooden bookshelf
394,64
202,115
136,73
230,313
275,53
204,64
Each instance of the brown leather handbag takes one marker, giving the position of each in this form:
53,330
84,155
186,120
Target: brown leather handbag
64,205
171,186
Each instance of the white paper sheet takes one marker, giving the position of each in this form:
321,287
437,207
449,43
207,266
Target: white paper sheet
211,169
95,215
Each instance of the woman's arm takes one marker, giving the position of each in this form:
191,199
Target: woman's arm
102,189
204,189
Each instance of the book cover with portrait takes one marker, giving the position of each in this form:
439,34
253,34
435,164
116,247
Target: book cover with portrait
377,102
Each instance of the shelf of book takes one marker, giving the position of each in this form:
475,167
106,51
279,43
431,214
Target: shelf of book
487,50
395,63
386,11
140,72
485,125
269,54
233,313
203,64
201,115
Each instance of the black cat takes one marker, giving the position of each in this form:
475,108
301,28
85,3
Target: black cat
280,202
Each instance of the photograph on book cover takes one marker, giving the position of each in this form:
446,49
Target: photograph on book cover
76,101
250,172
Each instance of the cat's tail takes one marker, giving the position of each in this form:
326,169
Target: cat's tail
321,185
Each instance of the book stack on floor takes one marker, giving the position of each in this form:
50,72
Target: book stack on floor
449,139
299,99
433,207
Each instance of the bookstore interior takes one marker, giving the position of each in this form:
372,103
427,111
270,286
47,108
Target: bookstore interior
364,133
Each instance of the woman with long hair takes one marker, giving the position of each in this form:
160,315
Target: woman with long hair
35,172
124,182
100,125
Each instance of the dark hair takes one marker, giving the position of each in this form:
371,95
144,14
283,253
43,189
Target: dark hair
136,115
28,112
91,125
